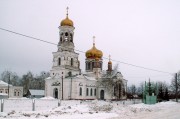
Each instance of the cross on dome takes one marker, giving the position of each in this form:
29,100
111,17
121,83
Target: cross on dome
94,40
66,21
67,11
109,57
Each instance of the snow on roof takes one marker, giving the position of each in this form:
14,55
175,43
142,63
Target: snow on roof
36,92
2,83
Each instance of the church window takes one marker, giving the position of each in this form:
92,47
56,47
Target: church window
71,38
86,66
93,65
80,91
14,93
119,90
61,39
71,61
114,90
91,92
101,66
87,91
89,65
59,61
95,92
66,34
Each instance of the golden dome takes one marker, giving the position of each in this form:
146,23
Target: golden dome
109,62
94,53
66,21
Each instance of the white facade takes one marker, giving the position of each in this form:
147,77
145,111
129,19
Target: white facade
14,91
66,80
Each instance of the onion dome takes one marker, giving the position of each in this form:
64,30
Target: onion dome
109,62
94,53
66,21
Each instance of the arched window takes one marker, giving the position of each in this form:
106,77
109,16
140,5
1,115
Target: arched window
14,93
115,90
91,92
119,90
71,61
89,65
71,38
59,61
87,91
95,92
18,93
61,39
66,34
80,91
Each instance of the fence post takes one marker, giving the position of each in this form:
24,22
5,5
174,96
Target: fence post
2,105
59,102
33,104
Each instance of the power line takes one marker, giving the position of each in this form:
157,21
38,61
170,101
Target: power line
84,52
27,36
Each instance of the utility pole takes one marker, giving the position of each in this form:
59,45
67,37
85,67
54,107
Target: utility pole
71,90
8,83
176,87
62,85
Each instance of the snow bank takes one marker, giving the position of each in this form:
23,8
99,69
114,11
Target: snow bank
49,98
75,109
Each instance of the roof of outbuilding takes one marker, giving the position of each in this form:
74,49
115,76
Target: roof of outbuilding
2,83
36,92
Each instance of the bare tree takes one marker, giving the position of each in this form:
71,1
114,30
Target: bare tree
163,93
26,80
173,85
132,91
10,77
140,89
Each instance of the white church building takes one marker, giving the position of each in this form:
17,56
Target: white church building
66,80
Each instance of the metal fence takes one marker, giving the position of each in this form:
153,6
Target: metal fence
8,105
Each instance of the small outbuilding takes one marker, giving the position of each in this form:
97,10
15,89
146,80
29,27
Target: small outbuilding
35,93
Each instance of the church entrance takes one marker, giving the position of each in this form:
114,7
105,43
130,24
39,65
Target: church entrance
55,93
102,95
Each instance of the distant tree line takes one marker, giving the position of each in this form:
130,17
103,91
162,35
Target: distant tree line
27,81
163,90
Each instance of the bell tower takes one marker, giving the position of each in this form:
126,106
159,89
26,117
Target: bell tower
66,34
65,60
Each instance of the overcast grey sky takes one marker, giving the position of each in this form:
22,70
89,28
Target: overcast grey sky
140,32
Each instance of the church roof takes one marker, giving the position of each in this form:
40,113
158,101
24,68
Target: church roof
36,92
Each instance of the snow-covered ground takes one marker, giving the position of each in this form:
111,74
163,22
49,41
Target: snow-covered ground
47,108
